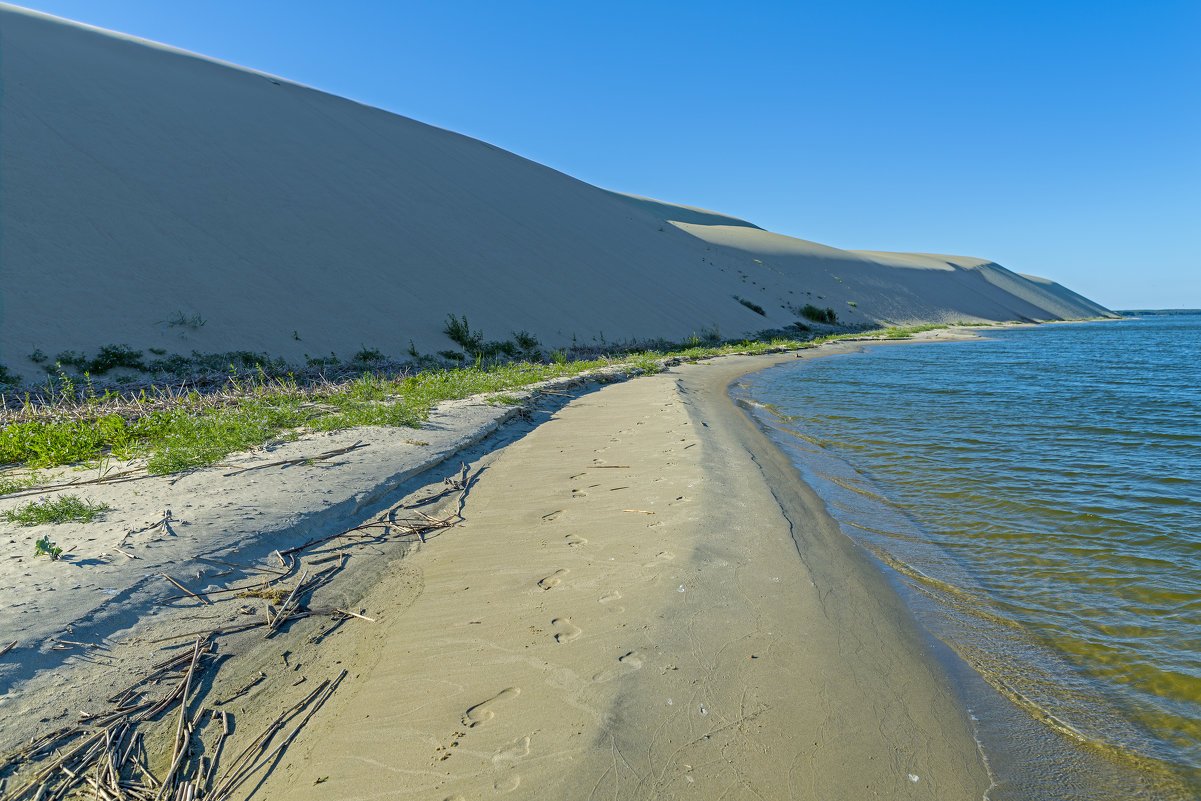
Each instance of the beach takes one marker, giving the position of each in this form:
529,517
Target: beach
641,600
644,602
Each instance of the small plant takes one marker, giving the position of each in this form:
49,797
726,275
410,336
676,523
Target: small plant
461,334
506,400
158,351
528,343
367,355
826,315
11,483
852,303
45,546
66,509
181,320
755,307
111,356
37,357
321,361
7,380
70,358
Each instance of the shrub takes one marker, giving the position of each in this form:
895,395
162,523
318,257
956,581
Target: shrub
826,315
755,307
111,356
461,334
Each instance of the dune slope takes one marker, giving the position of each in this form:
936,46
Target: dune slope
159,199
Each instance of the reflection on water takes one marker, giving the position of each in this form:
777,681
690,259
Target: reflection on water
1037,495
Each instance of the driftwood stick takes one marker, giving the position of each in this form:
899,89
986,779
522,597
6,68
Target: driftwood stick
8,648
185,589
356,614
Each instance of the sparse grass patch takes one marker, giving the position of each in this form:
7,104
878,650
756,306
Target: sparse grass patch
10,482
250,404
904,332
63,509
826,315
755,307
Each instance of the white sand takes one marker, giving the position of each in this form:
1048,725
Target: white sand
141,186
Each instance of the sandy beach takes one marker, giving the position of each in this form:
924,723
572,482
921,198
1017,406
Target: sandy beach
641,600
598,587
644,602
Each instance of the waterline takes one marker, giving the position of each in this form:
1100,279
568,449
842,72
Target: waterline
1035,496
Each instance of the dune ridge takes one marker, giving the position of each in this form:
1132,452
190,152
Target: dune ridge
161,199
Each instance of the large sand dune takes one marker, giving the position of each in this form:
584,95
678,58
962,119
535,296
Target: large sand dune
145,190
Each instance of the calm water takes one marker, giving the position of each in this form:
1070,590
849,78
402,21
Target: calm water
1037,495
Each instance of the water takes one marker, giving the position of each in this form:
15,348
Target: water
1037,497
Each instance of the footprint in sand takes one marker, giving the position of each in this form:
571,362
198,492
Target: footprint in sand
565,630
575,540
481,713
507,785
554,579
663,556
549,516
513,751
609,597
626,664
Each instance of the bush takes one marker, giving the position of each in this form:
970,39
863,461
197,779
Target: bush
826,315
755,307
111,356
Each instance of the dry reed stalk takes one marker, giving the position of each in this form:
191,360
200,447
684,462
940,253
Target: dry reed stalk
185,589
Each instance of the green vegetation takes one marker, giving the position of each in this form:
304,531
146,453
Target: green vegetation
13,483
257,400
755,307
64,509
45,546
7,380
904,332
826,315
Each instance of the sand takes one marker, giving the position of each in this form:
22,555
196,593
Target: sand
643,601
160,199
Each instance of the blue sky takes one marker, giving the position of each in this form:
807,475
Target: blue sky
1057,138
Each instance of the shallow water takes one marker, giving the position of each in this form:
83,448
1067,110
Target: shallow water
1037,494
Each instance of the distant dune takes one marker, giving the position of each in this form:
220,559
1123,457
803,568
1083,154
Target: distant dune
160,199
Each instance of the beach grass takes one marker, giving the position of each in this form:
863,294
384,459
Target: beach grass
64,509
177,430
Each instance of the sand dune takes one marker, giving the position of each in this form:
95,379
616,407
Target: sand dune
160,199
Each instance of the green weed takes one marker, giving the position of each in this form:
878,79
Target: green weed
46,546
755,307
64,509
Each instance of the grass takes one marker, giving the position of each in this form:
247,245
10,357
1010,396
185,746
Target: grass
904,332
181,429
750,304
64,509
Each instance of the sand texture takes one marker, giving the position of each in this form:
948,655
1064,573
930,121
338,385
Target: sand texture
642,600
635,608
159,199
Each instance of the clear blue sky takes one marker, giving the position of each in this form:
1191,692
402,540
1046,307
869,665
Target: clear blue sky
1057,138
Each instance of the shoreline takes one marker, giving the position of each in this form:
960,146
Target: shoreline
587,678
618,653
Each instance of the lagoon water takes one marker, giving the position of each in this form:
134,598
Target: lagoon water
1036,495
